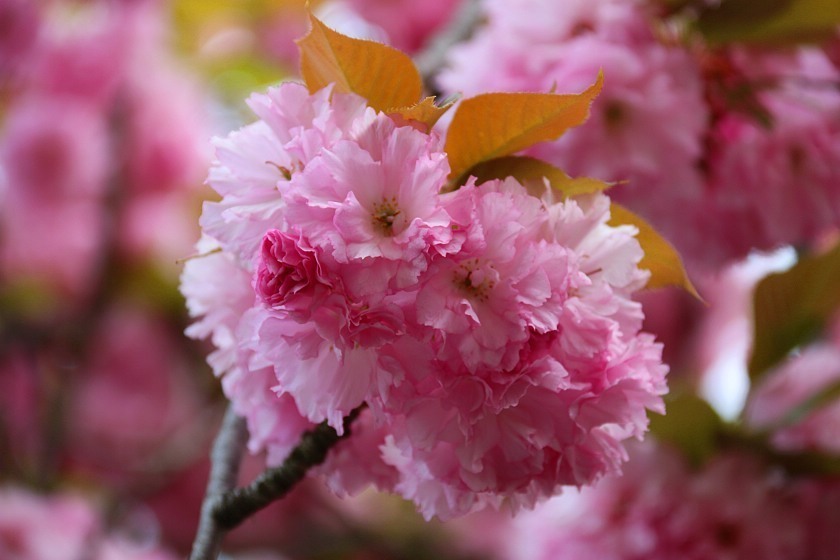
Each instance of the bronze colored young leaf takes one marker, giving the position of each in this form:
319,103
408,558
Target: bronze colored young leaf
661,259
531,172
791,308
383,75
494,125
422,115
769,21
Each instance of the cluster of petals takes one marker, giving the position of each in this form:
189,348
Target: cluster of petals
774,183
488,334
408,25
789,401
647,127
724,152
90,110
66,526
662,508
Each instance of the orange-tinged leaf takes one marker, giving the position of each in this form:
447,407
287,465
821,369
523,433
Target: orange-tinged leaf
531,172
422,115
381,74
661,259
494,125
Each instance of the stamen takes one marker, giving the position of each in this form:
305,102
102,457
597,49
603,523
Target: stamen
384,214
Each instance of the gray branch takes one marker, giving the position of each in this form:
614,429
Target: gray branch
431,60
224,470
235,506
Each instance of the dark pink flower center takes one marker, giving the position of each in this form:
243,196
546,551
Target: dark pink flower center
287,269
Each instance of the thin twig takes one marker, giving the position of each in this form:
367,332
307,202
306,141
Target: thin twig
431,60
235,506
224,470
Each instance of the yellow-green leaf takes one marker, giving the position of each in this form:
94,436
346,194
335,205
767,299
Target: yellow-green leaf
690,425
381,74
769,21
661,259
422,115
494,125
531,172
791,308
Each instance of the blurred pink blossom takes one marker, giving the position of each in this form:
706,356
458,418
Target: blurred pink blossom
776,183
19,26
64,526
676,126
134,406
53,152
34,527
660,508
646,129
409,25
774,402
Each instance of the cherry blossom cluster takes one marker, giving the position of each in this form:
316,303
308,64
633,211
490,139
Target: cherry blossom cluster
488,333
724,151
67,526
663,508
98,119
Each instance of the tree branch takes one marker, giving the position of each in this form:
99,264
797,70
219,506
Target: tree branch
224,470
233,507
460,28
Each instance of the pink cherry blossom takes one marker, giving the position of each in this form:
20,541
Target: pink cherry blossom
775,184
20,23
773,404
488,333
65,526
134,404
53,152
375,197
86,62
662,509
290,274
44,528
220,292
408,25
256,161
647,127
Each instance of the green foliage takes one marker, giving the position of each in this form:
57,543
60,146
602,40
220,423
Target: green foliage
769,21
791,308
690,425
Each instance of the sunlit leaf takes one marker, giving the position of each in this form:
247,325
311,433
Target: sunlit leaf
791,308
661,259
769,21
531,172
422,115
690,424
381,74
494,125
